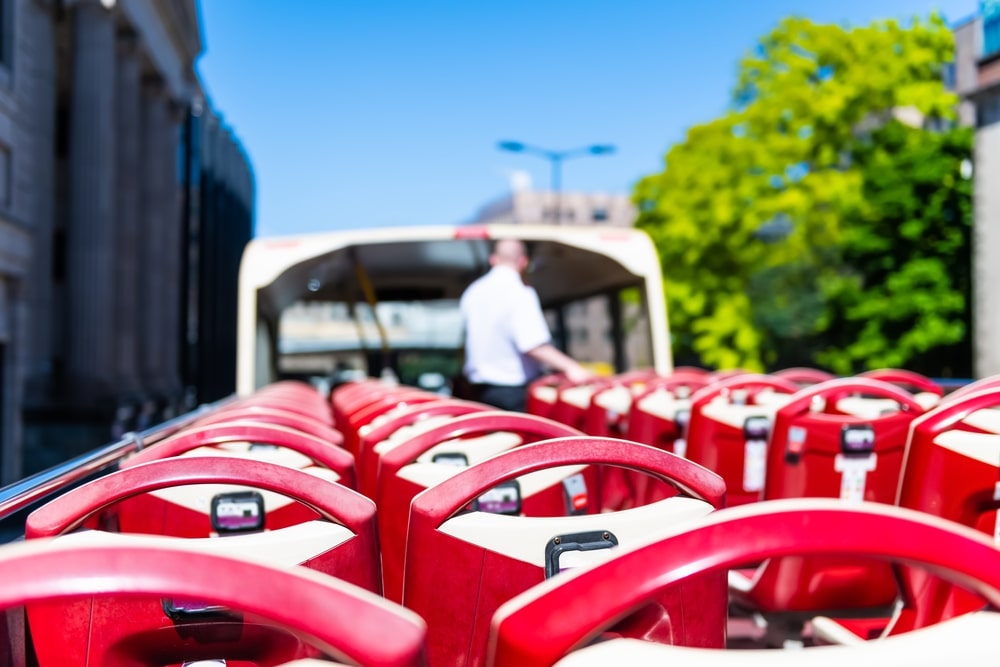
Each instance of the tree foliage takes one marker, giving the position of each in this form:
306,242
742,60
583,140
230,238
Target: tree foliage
758,215
902,295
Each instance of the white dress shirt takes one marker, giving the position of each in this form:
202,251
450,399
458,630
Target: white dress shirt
503,321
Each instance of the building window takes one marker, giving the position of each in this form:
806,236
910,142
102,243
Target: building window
948,76
991,27
599,214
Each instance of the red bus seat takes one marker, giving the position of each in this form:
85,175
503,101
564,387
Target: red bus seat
460,567
654,411
965,641
607,414
382,434
284,613
728,430
925,391
353,554
657,416
949,470
549,621
304,408
364,414
573,402
318,450
834,454
279,416
953,473
342,544
802,376
494,431
973,387
542,394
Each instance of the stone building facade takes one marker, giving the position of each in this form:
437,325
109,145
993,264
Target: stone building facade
95,96
977,80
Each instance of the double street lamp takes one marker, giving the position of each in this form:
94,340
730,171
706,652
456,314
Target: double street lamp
556,158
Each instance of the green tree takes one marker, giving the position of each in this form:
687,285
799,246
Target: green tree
902,295
751,209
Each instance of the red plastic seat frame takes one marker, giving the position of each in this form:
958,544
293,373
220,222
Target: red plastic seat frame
394,494
952,486
364,415
366,459
904,378
320,451
539,627
623,488
280,416
458,616
535,405
356,561
803,376
337,618
807,468
597,420
306,409
654,430
722,447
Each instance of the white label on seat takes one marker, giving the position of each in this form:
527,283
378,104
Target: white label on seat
575,487
754,465
854,471
681,447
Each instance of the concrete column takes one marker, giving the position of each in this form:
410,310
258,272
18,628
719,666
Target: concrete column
986,241
151,250
34,179
90,246
171,284
129,211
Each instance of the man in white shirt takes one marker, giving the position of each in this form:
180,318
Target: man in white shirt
507,341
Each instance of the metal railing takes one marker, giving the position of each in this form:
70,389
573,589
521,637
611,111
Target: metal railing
40,486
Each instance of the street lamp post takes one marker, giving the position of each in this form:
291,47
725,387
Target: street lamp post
556,159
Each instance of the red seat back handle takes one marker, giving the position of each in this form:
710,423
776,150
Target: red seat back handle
317,449
331,501
750,382
905,378
489,421
948,414
842,387
435,505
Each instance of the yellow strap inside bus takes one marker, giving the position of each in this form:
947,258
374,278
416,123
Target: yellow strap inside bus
369,291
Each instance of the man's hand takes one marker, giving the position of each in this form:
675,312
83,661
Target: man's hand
551,356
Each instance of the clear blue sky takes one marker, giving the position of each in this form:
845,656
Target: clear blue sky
373,113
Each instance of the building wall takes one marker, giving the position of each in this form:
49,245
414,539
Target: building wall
532,207
968,44
26,162
94,97
987,235
978,82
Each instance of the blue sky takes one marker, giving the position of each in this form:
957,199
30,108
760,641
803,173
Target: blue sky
364,113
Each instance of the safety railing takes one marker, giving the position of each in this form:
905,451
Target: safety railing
40,486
